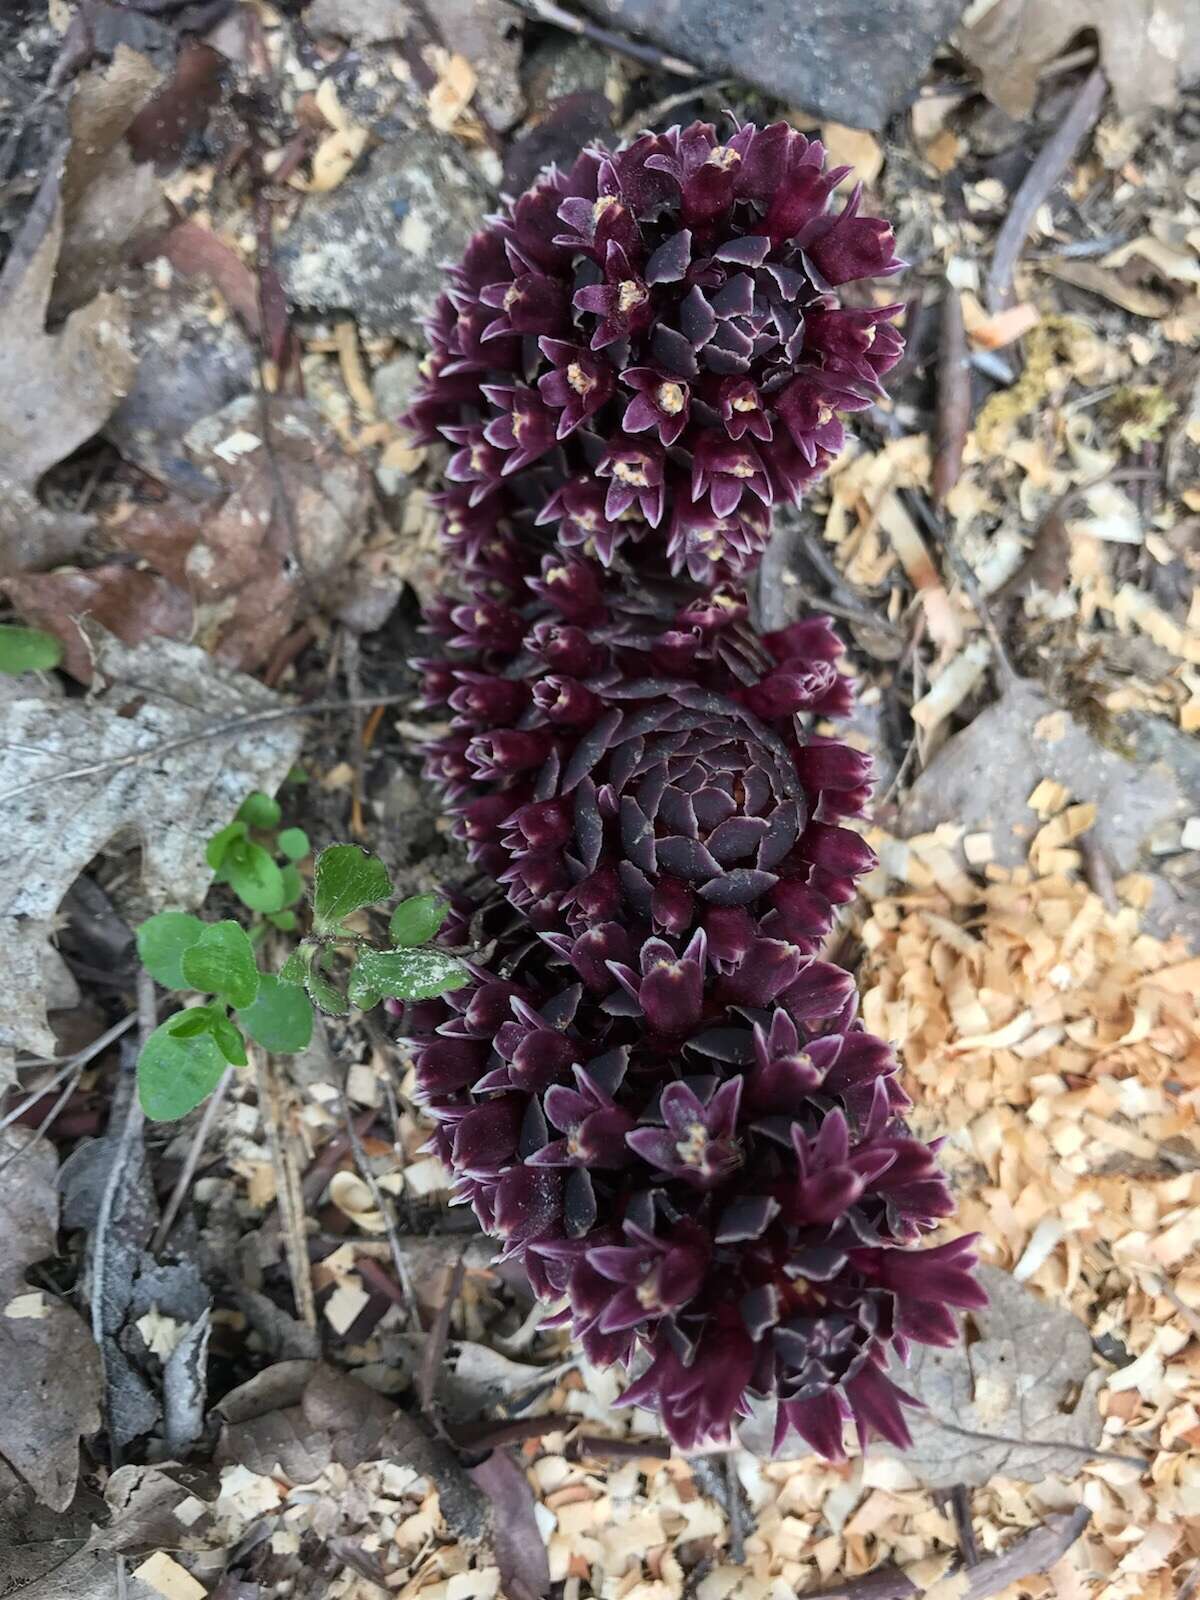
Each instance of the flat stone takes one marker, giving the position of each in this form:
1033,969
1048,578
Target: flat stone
377,245
853,61
983,776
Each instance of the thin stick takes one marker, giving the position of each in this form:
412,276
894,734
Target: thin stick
192,1161
737,1531
383,1206
547,11
645,120
960,1505
44,1126
147,1016
287,1185
435,1349
1047,169
82,1057
217,730
953,397
358,754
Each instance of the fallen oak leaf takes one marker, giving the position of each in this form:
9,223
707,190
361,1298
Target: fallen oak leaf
517,1540
70,382
132,604
1018,1400
258,562
326,1417
1147,49
50,1376
109,201
159,772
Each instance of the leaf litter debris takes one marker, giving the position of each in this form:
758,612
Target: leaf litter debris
1045,1011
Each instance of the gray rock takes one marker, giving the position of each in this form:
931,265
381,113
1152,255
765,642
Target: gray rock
392,384
560,66
377,245
855,61
983,776
490,37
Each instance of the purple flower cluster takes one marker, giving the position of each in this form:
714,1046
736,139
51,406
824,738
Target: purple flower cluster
659,1095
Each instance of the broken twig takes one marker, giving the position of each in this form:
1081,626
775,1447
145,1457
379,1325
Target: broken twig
287,1187
953,396
1036,1552
606,38
1041,178
188,1171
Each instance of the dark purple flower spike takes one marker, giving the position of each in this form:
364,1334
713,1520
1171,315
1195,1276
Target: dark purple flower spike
667,1109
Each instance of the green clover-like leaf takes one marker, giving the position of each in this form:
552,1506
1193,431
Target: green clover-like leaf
294,844
161,942
27,649
188,1024
221,962
229,1040
174,1074
404,974
254,876
347,878
218,846
415,921
303,967
281,1018
259,810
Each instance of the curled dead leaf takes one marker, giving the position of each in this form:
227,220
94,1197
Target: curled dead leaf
50,1377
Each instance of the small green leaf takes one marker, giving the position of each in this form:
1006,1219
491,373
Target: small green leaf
324,995
285,921
176,1074
221,962
293,886
161,941
229,1041
416,921
27,649
217,847
296,775
191,1023
259,810
281,1018
405,974
294,844
302,966
254,876
295,968
347,878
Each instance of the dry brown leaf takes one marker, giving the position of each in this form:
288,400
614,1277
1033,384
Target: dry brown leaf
1109,286
51,827
70,382
50,1379
295,512
853,147
109,202
1020,1399
132,604
1148,48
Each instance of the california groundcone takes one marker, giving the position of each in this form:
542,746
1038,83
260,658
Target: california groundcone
659,1096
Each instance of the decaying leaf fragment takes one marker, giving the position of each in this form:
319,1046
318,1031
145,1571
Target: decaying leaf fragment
1150,49
1017,1396
70,382
49,1367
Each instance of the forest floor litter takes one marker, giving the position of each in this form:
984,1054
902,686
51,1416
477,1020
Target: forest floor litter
310,1378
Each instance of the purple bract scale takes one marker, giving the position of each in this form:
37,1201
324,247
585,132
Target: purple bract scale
666,1107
